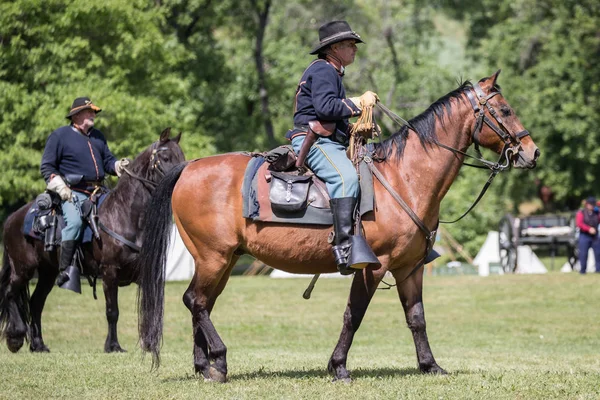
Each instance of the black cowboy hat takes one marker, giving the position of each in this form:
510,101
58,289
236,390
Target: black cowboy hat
334,32
80,104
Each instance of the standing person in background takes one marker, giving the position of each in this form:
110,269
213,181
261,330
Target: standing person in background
587,220
75,160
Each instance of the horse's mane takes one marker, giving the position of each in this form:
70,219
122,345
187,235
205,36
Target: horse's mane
424,123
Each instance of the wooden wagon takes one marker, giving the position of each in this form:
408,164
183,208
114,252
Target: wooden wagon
551,231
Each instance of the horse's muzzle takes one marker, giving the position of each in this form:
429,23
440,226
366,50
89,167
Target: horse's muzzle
526,157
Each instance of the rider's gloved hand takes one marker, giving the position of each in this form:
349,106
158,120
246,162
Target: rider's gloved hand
367,99
58,185
121,165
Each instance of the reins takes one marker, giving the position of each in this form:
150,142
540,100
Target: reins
155,166
494,167
481,118
161,173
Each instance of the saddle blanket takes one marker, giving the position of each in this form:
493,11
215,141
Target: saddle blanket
34,212
256,204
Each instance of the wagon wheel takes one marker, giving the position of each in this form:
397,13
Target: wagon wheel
507,244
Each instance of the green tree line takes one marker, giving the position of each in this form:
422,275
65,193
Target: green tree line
224,73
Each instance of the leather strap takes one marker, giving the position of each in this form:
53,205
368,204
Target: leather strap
120,238
399,200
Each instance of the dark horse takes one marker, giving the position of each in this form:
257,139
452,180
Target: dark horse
204,198
122,212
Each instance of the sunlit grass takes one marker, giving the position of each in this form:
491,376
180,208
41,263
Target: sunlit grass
498,337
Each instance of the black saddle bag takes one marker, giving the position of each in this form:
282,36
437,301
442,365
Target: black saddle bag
289,193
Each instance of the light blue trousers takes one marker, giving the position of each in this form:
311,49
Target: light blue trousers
71,214
328,160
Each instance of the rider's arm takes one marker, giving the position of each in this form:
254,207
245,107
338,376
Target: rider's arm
326,91
50,158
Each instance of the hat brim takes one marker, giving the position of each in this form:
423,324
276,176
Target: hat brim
85,107
337,39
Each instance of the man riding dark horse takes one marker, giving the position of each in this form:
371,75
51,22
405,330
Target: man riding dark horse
75,161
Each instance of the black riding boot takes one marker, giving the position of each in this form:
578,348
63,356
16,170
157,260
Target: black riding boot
67,252
343,221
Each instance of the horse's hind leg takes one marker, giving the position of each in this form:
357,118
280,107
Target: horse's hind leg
363,287
46,277
201,363
14,305
202,354
411,296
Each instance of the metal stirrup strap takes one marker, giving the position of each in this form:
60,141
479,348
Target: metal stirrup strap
120,238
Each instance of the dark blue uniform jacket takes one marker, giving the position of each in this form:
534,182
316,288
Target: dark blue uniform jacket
321,96
69,151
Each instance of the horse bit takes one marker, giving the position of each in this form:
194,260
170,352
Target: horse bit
155,166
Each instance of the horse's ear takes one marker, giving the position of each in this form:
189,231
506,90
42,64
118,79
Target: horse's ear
494,77
164,136
177,138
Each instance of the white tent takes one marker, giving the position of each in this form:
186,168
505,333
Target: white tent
180,264
591,264
528,262
489,253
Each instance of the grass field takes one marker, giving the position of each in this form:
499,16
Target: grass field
500,337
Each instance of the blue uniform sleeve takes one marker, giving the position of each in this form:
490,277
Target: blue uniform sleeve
326,97
109,160
49,164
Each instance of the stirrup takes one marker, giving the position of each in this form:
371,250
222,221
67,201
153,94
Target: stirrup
344,269
73,282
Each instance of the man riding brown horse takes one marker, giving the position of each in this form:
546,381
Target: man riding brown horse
321,98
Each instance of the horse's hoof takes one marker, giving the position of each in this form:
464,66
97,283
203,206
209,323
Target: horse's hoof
342,380
40,349
115,349
215,375
434,369
14,344
203,370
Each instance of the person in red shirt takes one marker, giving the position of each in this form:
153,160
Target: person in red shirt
587,221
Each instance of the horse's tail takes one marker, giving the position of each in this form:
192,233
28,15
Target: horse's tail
13,326
151,264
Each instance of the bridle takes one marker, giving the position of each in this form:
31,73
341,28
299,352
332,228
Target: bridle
512,143
155,165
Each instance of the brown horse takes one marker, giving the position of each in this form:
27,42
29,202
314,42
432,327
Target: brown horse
121,212
204,197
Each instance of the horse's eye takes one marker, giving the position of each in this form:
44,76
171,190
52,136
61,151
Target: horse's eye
505,111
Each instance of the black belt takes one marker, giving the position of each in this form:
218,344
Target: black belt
303,128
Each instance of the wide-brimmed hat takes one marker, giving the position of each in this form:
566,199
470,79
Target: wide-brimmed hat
80,104
334,32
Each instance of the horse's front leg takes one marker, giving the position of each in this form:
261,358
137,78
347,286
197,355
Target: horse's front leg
45,283
110,284
411,296
363,287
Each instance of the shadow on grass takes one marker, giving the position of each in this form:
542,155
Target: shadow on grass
262,373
